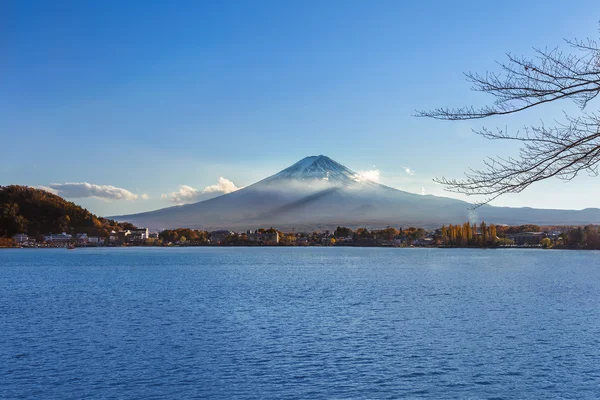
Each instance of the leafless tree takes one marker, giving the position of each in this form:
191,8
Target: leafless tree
563,150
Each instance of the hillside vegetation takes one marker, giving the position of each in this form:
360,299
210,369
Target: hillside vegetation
37,212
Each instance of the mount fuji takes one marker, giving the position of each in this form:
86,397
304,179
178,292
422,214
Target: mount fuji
320,193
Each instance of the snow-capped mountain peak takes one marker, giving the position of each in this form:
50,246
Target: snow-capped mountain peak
317,168
319,193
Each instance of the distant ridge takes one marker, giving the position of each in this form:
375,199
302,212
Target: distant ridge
320,193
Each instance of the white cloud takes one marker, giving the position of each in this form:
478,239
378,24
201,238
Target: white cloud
144,196
409,171
47,189
422,191
84,189
363,176
187,194
223,187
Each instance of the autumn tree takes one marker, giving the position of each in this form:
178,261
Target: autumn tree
127,226
287,239
591,237
11,222
389,233
483,230
466,235
362,233
563,150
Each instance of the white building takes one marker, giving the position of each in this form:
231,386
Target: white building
58,237
119,236
138,235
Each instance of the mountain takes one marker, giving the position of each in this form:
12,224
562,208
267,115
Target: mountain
37,212
320,193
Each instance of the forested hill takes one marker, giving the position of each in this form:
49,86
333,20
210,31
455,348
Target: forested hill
37,212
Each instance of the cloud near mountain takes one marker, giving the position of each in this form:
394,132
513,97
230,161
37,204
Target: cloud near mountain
187,194
364,176
85,189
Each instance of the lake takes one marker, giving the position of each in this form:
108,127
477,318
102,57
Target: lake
299,323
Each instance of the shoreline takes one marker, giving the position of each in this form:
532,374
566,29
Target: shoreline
276,246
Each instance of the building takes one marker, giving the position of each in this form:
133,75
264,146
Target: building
528,238
58,238
95,241
426,242
82,238
20,238
217,237
137,235
302,241
265,237
118,237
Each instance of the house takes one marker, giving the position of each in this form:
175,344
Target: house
118,236
302,241
554,235
137,235
427,242
58,238
82,238
20,238
264,237
217,237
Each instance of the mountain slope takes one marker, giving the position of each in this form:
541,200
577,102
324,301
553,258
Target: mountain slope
319,193
35,212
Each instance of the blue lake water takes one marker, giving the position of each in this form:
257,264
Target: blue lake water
299,323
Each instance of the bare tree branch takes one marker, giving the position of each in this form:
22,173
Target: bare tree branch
561,151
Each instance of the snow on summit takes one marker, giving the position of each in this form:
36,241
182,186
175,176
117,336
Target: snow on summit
317,168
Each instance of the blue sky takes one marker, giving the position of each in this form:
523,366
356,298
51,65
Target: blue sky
149,96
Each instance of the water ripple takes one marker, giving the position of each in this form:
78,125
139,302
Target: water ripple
335,323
